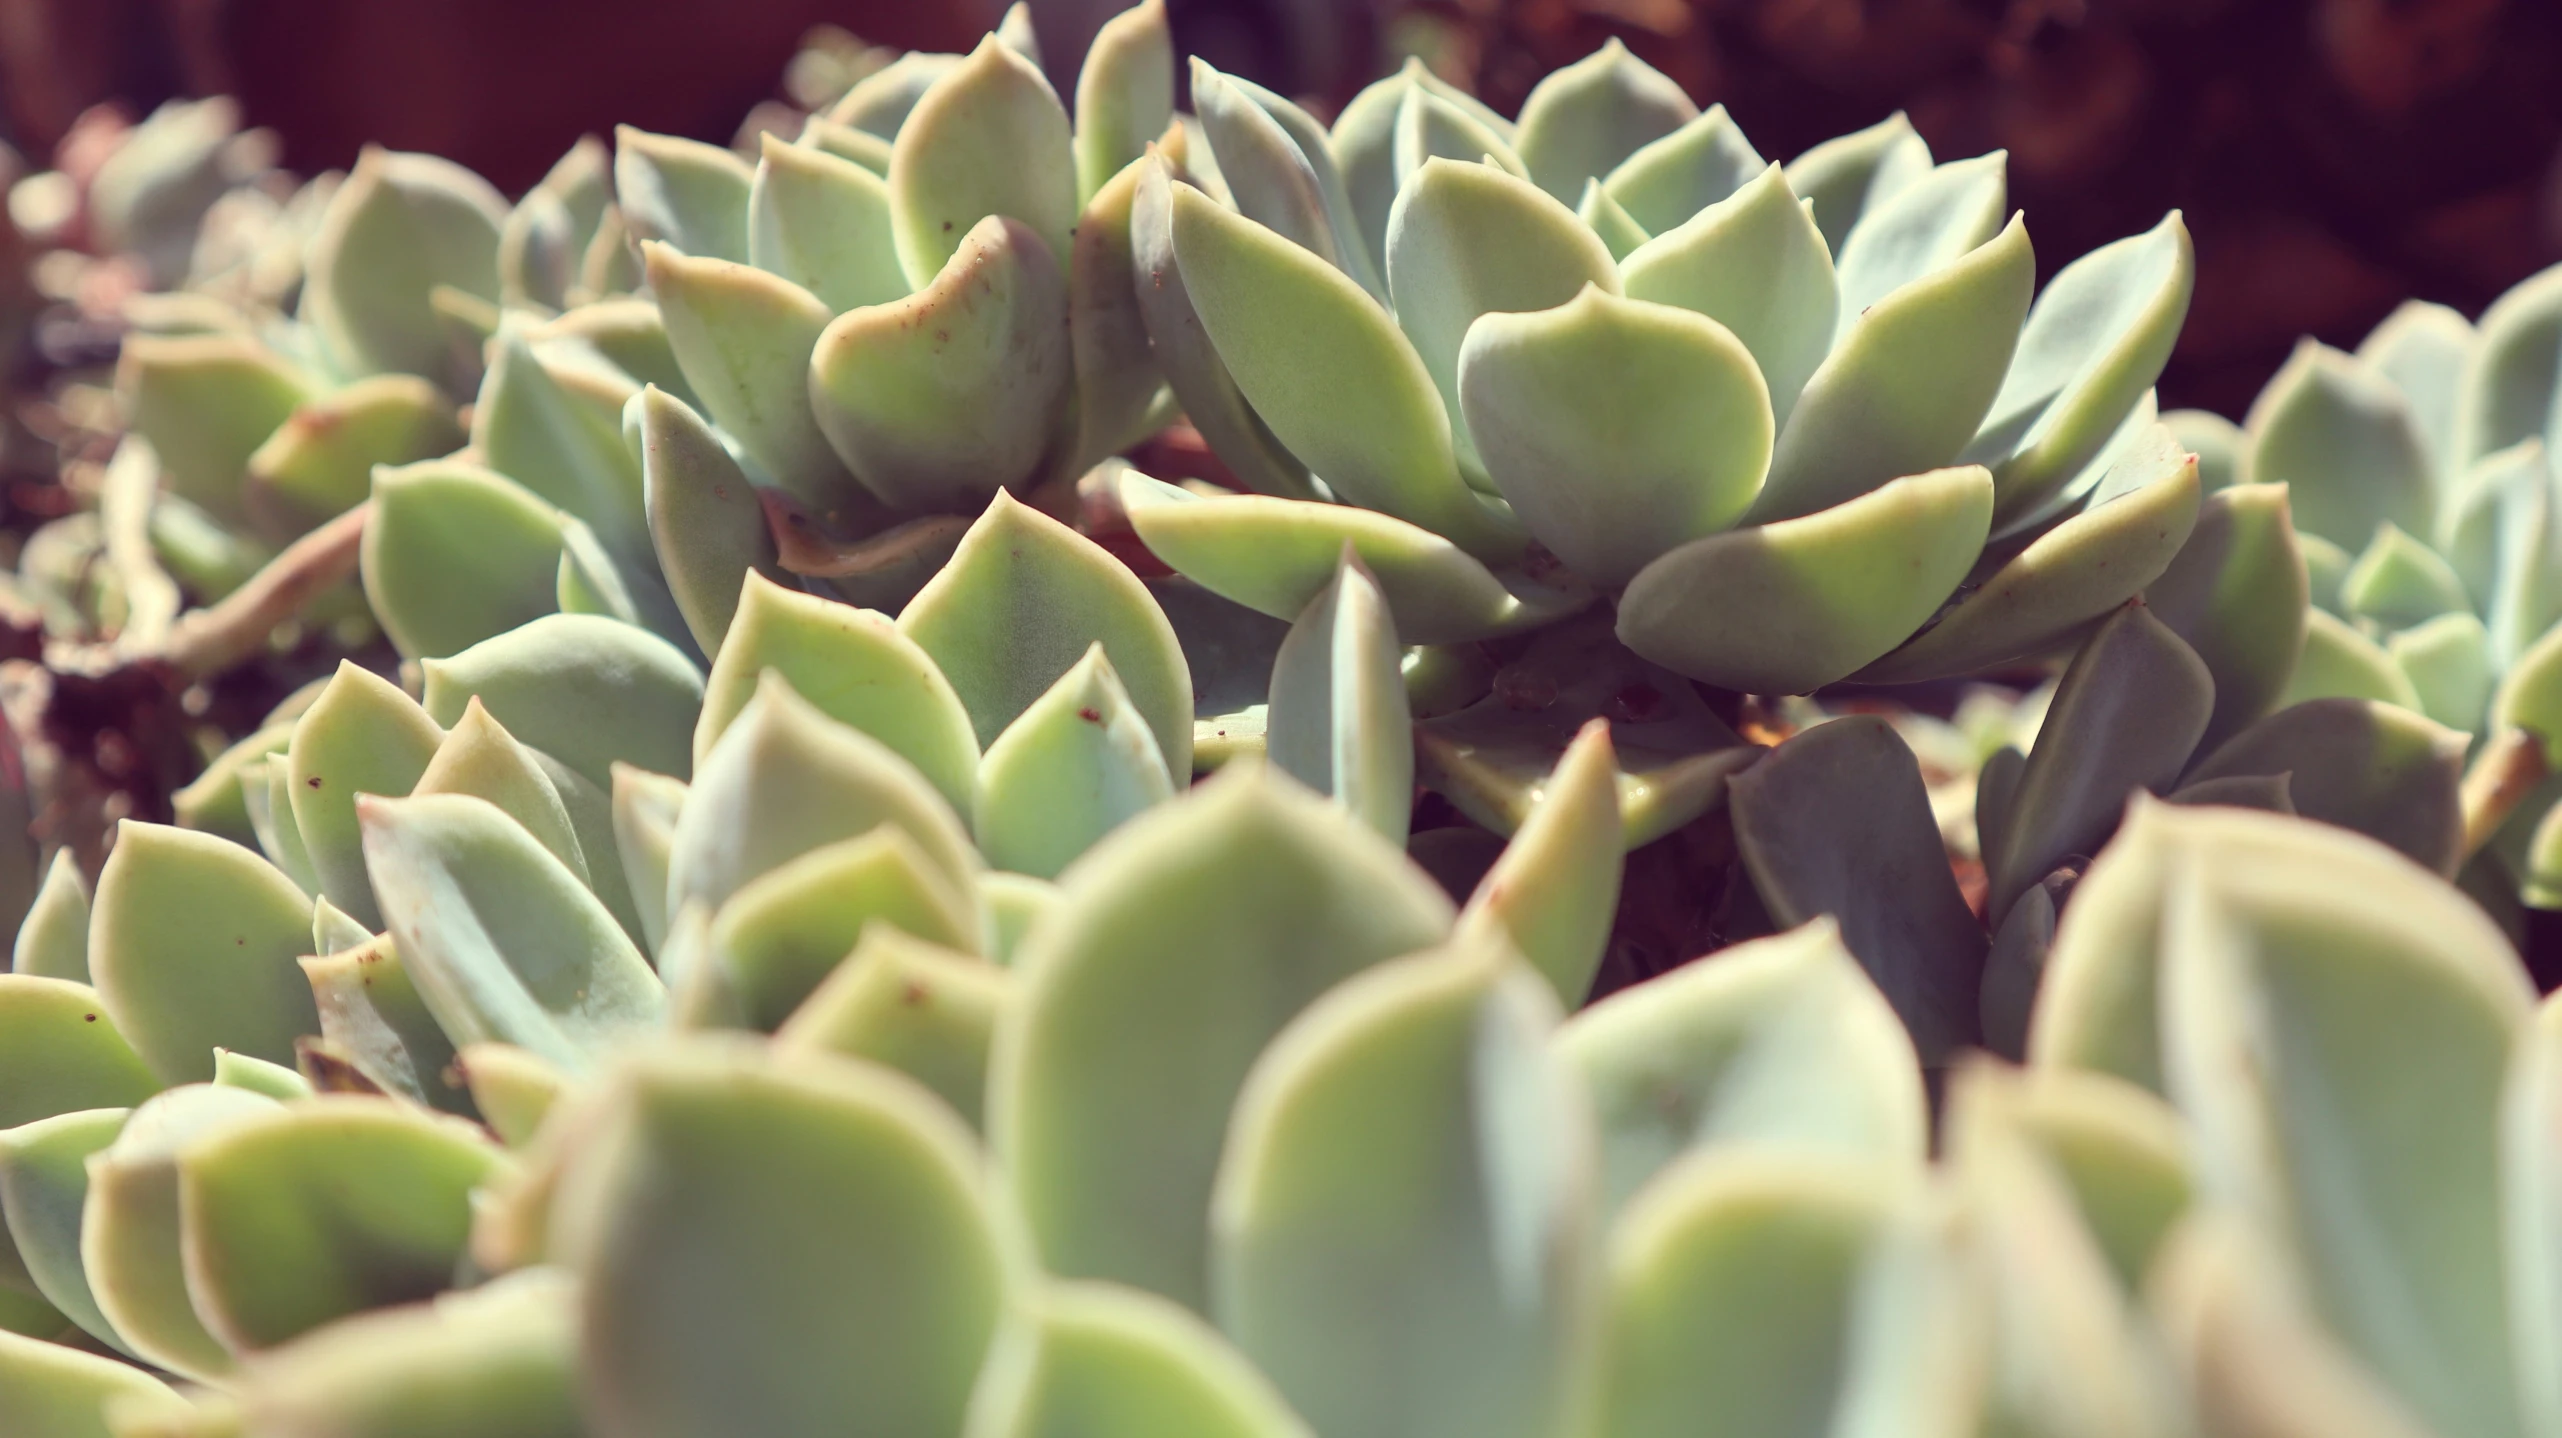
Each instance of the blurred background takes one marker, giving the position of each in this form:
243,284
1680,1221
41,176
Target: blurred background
2333,156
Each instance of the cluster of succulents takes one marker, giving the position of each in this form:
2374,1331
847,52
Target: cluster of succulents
749,953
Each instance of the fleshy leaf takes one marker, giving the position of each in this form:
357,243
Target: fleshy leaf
1096,1358
2015,966
1430,128
63,1052
44,1184
1733,1289
880,102
909,1004
1554,891
1194,372
1275,556
53,940
2340,437
2450,665
2066,577
1272,176
268,795
1778,1044
1610,220
1467,240
742,1211
1124,93
192,944
1365,142
362,736
276,1081
55,1391
1016,904
2056,1307
1617,429
705,523
2380,769
2503,535
399,227
987,138
206,403
454,554
1908,382
1339,721
1217,917
1849,175
743,338
936,400
682,192
644,810
323,1209
503,943
2221,446
2337,1026
1667,181
513,1089
1785,607
2399,582
1076,764
2127,717
1020,602
783,932
2531,1190
824,224
785,779
560,440
131,1233
217,802
1119,391
1921,229
372,1015
497,1360
2423,348
585,690
479,758
1755,263
1369,418
2236,594
1422,1095
1836,821
856,667
1583,119
2122,1153
2508,395
319,463
2094,342
546,234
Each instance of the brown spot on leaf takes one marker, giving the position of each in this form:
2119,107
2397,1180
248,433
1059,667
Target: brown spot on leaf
1089,715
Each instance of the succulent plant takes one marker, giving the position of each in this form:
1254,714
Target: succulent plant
1798,424
754,957
1239,1127
2430,517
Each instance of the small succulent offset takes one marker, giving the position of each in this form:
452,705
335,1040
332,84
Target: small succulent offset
1799,423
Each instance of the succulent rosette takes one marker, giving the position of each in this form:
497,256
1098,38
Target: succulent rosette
1793,424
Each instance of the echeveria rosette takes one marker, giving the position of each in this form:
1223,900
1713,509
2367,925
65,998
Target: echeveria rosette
2418,470
911,306
1786,459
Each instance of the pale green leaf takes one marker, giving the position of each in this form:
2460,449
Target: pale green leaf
1778,1045
1783,608
1405,1228
1182,945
